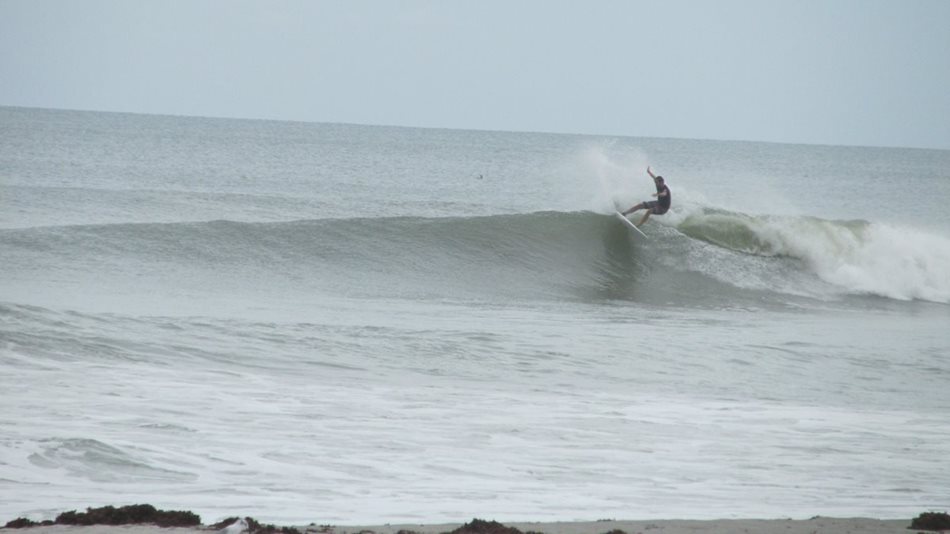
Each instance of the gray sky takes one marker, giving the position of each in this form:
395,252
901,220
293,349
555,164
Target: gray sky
854,72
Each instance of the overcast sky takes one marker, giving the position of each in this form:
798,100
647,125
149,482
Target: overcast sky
853,72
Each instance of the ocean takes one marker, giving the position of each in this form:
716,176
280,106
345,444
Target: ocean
337,323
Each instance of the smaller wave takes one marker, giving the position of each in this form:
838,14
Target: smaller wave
100,462
858,256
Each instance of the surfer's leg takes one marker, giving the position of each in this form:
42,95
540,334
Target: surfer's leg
645,217
633,209
650,205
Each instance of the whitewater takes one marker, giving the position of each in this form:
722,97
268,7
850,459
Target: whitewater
368,324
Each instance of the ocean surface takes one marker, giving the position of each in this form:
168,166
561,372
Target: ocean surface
359,324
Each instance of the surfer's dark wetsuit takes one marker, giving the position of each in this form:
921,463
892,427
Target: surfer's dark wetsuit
662,203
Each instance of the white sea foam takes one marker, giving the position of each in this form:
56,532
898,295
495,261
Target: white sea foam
855,256
613,177
900,263
876,259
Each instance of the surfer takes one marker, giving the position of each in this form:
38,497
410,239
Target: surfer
659,206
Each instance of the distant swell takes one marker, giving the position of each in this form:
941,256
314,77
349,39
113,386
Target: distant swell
551,255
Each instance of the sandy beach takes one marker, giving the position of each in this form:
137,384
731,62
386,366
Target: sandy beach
818,525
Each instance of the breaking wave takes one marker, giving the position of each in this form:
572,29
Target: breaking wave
550,255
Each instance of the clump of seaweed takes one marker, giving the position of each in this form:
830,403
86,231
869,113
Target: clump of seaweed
129,515
480,526
931,521
22,522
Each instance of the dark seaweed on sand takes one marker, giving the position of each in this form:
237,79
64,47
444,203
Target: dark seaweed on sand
480,526
931,521
124,515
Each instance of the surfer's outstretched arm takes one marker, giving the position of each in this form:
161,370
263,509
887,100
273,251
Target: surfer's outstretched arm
650,172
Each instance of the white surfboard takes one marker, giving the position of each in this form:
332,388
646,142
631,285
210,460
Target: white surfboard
630,224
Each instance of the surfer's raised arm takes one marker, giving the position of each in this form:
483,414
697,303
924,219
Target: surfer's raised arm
651,173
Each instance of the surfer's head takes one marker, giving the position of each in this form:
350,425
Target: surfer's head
659,179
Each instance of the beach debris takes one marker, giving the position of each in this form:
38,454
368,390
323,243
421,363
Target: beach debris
931,521
249,525
480,526
129,515
22,522
237,527
110,515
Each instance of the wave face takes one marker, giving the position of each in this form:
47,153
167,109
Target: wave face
530,256
707,256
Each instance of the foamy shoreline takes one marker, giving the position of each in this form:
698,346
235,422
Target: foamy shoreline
820,525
